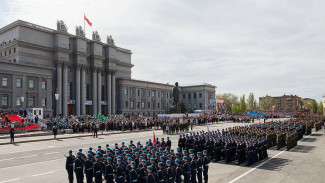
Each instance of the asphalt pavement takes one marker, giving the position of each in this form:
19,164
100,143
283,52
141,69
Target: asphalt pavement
44,161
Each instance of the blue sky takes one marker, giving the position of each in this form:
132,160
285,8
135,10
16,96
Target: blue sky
241,46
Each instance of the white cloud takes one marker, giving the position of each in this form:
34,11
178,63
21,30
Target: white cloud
265,47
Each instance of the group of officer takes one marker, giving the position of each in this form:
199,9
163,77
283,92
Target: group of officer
227,145
154,162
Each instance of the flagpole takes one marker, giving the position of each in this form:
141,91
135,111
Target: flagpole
84,25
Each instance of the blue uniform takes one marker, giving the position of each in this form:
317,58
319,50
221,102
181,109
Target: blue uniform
187,172
161,176
206,161
109,173
89,170
79,170
151,178
134,177
97,171
199,164
119,175
170,175
179,173
193,171
69,167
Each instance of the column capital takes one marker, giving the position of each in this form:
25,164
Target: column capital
59,62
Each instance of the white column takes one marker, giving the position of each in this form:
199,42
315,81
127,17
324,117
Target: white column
58,88
113,93
94,91
77,90
99,91
83,91
65,90
109,92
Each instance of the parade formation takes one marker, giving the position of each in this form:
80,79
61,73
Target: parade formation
157,161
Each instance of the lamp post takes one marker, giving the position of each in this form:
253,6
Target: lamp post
22,99
57,98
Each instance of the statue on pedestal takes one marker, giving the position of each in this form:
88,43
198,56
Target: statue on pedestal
176,93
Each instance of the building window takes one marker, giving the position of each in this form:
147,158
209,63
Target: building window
31,83
142,105
162,95
184,96
88,92
131,92
189,96
69,91
69,68
126,91
158,105
126,104
138,105
148,105
31,101
189,106
200,95
166,95
131,104
163,105
138,93
14,50
142,93
18,101
194,106
5,81
9,52
200,105
43,85
43,102
158,94
4,100
148,93
194,95
153,94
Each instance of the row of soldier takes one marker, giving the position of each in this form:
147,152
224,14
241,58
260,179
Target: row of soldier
137,163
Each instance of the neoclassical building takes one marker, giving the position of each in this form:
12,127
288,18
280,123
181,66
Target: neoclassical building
71,74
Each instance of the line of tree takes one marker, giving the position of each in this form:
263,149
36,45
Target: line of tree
237,105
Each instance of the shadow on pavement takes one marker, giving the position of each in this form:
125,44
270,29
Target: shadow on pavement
302,149
316,135
275,164
309,140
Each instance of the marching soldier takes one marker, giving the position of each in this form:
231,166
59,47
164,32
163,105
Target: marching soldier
134,177
109,171
89,169
151,177
69,166
206,161
169,172
119,175
179,171
97,170
186,170
193,168
199,164
161,173
79,168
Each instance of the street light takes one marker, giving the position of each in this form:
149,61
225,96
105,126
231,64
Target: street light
22,99
57,96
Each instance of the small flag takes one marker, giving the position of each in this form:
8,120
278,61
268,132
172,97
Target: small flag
89,23
154,136
44,78
208,126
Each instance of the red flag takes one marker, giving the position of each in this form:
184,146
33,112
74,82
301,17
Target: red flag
154,136
87,20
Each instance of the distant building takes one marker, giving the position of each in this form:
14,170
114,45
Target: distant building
305,107
287,103
72,75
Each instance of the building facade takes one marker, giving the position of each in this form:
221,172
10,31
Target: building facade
287,103
323,104
71,74
197,97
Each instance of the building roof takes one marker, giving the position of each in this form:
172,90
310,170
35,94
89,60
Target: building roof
143,81
49,30
197,85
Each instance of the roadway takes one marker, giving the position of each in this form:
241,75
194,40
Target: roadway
45,161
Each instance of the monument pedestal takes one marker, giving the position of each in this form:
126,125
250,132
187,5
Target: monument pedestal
175,109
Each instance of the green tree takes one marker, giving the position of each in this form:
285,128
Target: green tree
314,106
251,102
229,99
320,108
266,103
183,109
237,109
242,104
